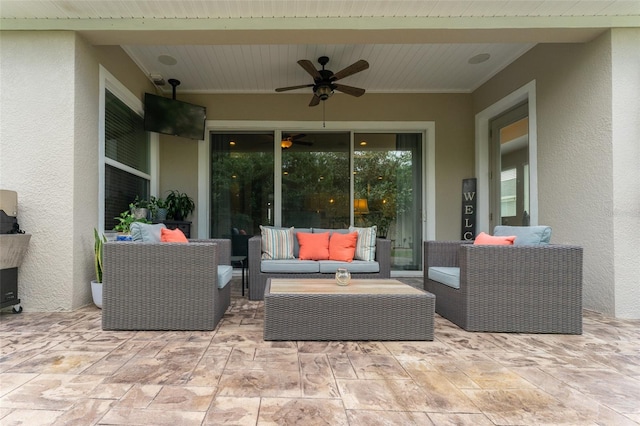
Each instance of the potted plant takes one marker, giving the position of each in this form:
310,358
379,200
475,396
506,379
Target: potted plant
179,205
140,208
125,220
158,207
96,285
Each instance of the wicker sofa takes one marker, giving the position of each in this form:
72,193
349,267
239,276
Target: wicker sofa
524,289
165,286
294,268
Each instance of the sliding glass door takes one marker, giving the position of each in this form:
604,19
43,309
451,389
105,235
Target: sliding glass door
319,179
242,185
387,171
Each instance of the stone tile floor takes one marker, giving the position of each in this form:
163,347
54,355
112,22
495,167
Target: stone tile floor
62,369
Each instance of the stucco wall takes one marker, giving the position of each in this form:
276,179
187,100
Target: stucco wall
626,171
575,153
38,141
452,114
49,91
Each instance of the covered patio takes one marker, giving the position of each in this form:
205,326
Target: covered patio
61,368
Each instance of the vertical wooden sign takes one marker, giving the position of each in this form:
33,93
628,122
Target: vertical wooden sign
469,209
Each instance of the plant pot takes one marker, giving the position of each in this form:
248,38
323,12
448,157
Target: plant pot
96,293
161,214
140,213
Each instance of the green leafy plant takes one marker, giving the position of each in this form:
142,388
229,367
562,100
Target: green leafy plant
97,249
179,205
125,220
158,208
141,204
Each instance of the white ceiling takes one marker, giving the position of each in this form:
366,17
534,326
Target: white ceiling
242,46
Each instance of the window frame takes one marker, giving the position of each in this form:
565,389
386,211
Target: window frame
109,82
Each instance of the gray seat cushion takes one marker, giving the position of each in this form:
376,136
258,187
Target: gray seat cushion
355,267
289,266
446,275
225,273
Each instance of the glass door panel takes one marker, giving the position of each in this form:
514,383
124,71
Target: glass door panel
242,166
387,171
510,163
315,180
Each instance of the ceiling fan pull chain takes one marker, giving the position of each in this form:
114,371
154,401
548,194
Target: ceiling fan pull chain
323,121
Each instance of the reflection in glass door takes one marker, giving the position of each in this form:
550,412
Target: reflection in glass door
241,185
510,189
315,179
387,170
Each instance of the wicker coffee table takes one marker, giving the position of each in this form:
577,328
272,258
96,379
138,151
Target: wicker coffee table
366,309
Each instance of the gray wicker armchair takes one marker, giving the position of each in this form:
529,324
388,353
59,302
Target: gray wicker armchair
523,289
164,286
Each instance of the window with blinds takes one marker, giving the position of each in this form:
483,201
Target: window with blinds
127,158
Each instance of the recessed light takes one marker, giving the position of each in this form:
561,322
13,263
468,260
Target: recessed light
167,60
478,59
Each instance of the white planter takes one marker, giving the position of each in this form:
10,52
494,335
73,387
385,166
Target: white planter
96,292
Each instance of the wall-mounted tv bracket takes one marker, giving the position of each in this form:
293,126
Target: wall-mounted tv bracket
174,83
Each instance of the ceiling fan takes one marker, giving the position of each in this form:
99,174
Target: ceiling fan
324,80
289,140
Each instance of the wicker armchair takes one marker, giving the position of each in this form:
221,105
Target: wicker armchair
523,289
164,286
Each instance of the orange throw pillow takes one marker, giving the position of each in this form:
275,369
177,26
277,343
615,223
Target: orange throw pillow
172,236
488,240
342,247
313,246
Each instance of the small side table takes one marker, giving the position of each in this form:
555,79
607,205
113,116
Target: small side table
242,261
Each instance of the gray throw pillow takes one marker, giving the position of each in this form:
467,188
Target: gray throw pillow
525,235
146,232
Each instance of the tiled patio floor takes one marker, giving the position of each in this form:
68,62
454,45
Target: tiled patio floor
61,368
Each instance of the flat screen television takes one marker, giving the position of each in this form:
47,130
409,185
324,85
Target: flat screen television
173,117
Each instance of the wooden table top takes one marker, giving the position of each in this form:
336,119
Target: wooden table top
329,286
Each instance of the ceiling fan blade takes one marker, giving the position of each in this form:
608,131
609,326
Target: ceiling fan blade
310,68
284,89
349,90
314,101
358,66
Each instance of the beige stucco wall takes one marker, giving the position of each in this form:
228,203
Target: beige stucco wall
626,171
452,114
575,155
48,119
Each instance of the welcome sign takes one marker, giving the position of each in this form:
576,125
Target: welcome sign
469,209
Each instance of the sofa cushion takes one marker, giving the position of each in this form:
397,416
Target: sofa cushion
296,244
313,246
277,243
445,275
526,235
342,247
146,232
355,267
225,273
483,239
366,245
172,236
290,266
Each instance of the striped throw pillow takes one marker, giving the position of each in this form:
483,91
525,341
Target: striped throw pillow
277,243
366,245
